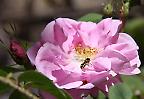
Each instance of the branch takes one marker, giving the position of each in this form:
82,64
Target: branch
15,86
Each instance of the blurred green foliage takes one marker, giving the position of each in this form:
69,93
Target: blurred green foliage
120,91
91,17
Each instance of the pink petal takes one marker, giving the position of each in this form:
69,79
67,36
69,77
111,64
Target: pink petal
94,77
105,33
109,25
68,26
65,77
124,49
51,53
113,53
117,64
83,26
32,52
130,71
71,85
123,54
46,68
73,66
65,29
84,30
87,86
59,35
135,61
48,33
48,59
136,71
111,81
125,38
67,45
102,64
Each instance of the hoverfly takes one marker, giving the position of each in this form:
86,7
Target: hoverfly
86,62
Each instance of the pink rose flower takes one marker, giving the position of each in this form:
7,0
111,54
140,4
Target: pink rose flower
83,57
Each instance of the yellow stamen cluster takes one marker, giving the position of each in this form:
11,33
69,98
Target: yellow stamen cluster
85,51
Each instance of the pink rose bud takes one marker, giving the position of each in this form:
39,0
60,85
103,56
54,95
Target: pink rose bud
83,57
17,49
19,55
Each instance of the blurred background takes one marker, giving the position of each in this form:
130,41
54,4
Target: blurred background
31,16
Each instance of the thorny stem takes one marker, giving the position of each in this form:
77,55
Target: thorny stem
122,17
15,86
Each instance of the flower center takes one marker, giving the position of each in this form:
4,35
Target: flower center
84,52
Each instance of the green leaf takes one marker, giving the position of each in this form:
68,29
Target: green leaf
120,91
9,69
135,97
17,95
37,80
2,73
101,95
135,28
3,87
134,83
92,17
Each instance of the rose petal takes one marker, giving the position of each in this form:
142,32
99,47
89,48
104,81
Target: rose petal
32,52
125,38
102,64
87,86
48,33
72,85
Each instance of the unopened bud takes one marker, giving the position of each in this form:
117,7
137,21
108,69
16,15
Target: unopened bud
19,55
108,9
17,50
126,8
